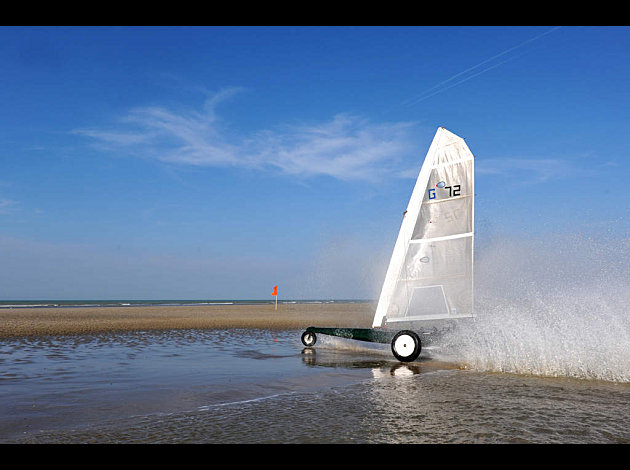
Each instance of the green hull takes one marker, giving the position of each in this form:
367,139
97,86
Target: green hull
371,335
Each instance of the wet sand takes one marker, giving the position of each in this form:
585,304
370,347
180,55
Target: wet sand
18,322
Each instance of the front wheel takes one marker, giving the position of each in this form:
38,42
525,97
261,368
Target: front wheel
406,346
308,338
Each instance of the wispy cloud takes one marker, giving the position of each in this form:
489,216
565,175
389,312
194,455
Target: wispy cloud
347,147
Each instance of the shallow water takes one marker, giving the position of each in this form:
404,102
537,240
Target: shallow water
257,386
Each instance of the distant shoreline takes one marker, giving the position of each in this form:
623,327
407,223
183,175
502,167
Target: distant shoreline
73,319
154,303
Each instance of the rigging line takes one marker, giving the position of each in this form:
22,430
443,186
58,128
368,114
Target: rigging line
422,95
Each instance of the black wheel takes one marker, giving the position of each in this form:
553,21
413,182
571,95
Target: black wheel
406,346
308,338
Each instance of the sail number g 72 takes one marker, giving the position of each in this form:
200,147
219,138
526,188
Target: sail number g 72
452,191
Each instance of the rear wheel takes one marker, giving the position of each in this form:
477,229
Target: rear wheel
406,346
308,338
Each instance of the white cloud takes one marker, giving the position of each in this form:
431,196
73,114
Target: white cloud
345,147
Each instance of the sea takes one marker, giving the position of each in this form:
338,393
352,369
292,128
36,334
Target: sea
11,304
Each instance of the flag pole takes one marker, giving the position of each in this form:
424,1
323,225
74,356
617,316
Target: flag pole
275,294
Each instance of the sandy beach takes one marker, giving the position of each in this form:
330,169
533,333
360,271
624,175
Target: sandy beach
81,320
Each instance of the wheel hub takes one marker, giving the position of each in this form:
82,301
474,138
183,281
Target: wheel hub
404,345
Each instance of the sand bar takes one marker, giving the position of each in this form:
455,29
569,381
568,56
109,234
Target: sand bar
16,322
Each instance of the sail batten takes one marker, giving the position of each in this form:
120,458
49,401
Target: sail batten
430,272
438,239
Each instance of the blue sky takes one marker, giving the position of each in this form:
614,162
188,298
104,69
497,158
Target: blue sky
214,163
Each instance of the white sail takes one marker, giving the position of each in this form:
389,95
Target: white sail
430,274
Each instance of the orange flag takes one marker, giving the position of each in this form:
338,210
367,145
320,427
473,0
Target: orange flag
275,290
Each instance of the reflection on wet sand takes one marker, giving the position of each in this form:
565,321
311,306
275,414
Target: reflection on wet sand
380,367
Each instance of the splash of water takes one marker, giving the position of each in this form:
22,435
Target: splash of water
553,307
